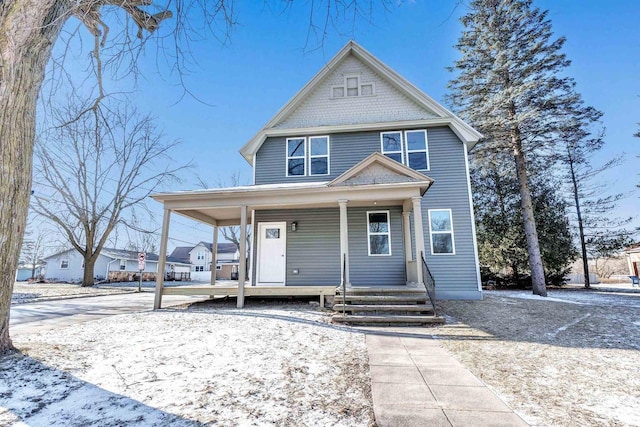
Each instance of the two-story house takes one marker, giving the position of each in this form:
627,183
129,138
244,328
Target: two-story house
360,179
201,257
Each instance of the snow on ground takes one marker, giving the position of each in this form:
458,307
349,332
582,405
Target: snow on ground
24,292
571,359
267,364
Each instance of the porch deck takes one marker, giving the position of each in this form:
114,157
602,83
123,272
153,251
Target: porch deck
230,289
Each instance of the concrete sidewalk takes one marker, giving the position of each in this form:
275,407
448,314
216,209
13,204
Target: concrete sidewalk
417,382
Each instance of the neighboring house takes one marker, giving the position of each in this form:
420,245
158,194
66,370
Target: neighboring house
200,257
112,264
633,260
25,271
358,178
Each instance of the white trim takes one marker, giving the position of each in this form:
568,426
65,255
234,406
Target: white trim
431,232
64,260
378,233
346,86
401,151
282,224
473,220
218,267
254,168
303,157
426,148
328,155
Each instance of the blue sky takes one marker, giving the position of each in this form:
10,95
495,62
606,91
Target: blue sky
265,64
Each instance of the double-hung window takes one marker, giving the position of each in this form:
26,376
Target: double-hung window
64,264
378,233
441,230
296,156
319,155
407,147
308,156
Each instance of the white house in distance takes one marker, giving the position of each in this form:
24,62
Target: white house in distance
200,257
112,264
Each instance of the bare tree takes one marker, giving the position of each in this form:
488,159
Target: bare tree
97,166
33,250
28,31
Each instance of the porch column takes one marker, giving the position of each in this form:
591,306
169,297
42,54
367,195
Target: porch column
344,242
162,259
419,234
242,273
214,255
406,228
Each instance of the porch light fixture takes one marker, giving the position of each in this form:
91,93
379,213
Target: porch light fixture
294,226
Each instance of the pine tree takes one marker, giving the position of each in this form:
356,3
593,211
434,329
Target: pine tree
509,87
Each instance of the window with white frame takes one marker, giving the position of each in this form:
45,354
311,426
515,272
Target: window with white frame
308,156
378,233
441,231
409,147
123,264
64,264
319,155
353,87
296,156
199,268
200,255
218,267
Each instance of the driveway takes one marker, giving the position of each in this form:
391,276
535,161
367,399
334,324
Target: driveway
36,317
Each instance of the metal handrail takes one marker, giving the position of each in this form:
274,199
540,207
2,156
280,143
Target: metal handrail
344,285
429,283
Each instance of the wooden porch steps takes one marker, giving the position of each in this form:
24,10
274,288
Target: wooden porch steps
391,306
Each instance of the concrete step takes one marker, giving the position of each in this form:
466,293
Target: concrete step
403,299
380,290
383,307
387,319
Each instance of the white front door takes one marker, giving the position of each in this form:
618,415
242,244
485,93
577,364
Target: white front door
272,249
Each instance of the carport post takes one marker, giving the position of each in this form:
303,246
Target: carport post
242,273
162,259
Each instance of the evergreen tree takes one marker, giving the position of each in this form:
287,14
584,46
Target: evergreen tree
509,87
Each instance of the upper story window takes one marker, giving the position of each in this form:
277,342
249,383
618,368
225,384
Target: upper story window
407,147
352,87
308,156
64,264
441,230
200,255
296,156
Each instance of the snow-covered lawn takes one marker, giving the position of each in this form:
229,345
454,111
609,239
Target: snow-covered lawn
570,359
268,364
24,292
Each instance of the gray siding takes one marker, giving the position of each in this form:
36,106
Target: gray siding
455,275
375,270
314,249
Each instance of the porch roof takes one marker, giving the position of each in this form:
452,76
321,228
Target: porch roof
376,179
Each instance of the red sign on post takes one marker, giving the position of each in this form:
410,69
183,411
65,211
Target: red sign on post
141,259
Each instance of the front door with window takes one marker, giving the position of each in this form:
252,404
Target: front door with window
272,249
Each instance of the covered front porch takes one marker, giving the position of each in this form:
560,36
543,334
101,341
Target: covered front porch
290,256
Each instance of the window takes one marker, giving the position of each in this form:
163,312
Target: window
296,156
200,255
392,145
378,233
64,264
319,155
417,156
312,151
199,268
353,87
272,233
409,147
441,229
123,264
218,267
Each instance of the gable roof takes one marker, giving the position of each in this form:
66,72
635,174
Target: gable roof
383,168
125,254
442,116
181,254
223,248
